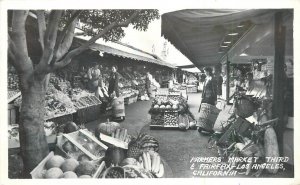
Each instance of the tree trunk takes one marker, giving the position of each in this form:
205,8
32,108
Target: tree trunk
34,146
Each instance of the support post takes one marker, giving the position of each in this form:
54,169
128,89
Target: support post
279,78
227,80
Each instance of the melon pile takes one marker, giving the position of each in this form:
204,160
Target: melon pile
58,167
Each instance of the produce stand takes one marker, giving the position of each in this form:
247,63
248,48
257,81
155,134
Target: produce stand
168,109
61,119
170,119
88,109
13,138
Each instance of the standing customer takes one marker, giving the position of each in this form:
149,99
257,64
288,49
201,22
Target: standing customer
219,81
209,93
95,80
148,84
113,87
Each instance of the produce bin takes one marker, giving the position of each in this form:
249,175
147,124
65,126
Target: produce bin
61,119
88,114
81,140
165,119
38,171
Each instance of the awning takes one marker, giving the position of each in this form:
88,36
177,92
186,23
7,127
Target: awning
192,70
199,34
125,54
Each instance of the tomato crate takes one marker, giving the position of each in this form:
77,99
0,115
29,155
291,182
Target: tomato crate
171,118
82,142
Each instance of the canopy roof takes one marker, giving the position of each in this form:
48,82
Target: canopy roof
203,35
124,51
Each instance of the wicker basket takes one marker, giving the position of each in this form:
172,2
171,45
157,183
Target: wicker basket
240,125
208,116
245,108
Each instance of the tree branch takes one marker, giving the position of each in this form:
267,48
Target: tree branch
17,44
42,26
18,33
50,40
68,57
65,38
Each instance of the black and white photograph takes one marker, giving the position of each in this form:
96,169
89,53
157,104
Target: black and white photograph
121,93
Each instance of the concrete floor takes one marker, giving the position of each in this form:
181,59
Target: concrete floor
176,147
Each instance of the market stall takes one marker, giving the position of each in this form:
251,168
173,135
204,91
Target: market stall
261,39
169,109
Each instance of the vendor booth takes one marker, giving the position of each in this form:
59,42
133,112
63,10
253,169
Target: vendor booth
260,41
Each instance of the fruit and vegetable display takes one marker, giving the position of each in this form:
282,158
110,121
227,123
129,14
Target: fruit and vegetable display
170,109
157,119
107,128
66,168
171,119
49,127
128,92
151,161
74,144
12,81
140,160
11,94
86,101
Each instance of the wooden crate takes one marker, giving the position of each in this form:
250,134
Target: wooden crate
132,99
113,141
37,172
163,122
74,139
62,119
87,114
157,119
191,89
241,126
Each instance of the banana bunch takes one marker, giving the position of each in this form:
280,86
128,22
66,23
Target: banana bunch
151,161
121,134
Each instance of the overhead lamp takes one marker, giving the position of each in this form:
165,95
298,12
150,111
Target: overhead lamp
223,46
240,26
227,42
243,54
233,34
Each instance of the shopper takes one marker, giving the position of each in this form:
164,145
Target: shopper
209,93
148,84
113,87
95,79
249,82
219,81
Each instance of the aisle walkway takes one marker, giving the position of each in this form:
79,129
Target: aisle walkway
176,147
